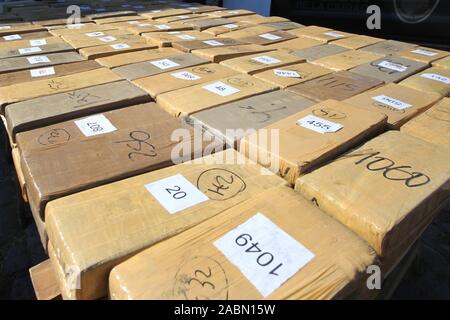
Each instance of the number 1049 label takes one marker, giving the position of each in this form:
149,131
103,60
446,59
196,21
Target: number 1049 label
264,253
175,193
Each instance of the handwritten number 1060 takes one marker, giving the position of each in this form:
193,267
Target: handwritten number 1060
263,259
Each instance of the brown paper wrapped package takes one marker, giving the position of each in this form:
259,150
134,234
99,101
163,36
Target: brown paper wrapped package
168,269
430,80
125,218
385,191
137,56
301,149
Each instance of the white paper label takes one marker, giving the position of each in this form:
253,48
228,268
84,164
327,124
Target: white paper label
95,34
393,66
38,59
319,125
173,32
144,25
176,193
264,253
182,17
95,125
12,37
75,26
436,77
266,60
107,39
286,73
42,72
213,43
185,75
221,89
230,26
233,12
155,11
269,36
425,52
119,46
29,50
391,102
38,42
133,22
162,26
334,34
164,64
5,27
186,37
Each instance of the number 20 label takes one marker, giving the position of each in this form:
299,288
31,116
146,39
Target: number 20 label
264,253
176,193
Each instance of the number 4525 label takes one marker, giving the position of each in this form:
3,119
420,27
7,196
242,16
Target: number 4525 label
264,253
176,193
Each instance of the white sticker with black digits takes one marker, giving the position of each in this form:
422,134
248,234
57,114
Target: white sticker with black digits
41,72
29,50
95,34
319,125
436,77
144,25
286,73
213,43
221,89
173,32
185,75
391,102
5,27
269,36
176,193
107,39
264,253
38,42
186,37
164,64
425,52
119,46
230,26
266,60
162,26
392,66
38,59
133,22
334,34
12,37
95,125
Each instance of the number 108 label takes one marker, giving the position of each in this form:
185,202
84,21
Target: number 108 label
175,193
264,253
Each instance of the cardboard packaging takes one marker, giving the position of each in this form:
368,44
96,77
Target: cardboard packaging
391,202
35,74
357,42
318,51
113,20
42,43
346,60
325,260
258,19
442,63
301,32
430,80
424,54
165,39
156,66
10,28
230,122
48,110
113,49
127,213
293,45
101,15
182,18
204,24
390,69
24,91
24,36
90,39
261,62
321,34
311,137
269,38
187,77
135,57
389,47
191,45
248,32
433,125
199,9
146,27
189,100
293,74
34,50
156,14
284,25
215,31
339,86
398,103
220,54
81,29
230,13
130,141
